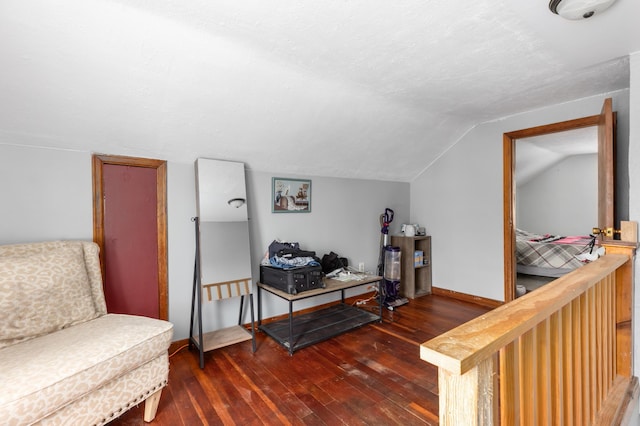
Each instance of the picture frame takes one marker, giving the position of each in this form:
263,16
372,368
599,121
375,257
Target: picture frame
290,195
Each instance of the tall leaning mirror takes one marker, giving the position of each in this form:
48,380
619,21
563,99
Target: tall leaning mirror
222,267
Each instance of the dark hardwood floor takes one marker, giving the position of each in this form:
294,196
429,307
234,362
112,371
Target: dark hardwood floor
369,376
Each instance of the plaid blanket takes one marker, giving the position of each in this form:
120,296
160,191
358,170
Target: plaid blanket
549,251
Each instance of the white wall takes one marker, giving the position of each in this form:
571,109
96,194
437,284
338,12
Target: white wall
459,197
47,194
44,194
344,216
634,185
562,200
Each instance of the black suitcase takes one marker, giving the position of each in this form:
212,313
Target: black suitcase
294,280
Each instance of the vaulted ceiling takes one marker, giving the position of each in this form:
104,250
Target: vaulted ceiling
350,88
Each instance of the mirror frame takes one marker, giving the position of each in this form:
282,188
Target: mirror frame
509,193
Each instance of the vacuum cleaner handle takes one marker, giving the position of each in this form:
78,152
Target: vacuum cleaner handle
388,215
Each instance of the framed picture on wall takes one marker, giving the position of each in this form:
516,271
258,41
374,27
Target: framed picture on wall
290,195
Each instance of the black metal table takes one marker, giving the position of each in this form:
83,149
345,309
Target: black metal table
299,331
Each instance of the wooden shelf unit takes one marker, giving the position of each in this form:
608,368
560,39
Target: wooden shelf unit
415,281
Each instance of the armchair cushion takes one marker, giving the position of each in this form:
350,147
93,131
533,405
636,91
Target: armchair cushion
43,292
45,369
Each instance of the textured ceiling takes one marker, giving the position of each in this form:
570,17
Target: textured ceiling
333,88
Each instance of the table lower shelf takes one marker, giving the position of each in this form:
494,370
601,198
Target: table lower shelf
317,326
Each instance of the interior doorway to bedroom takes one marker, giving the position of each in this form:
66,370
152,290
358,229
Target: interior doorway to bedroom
605,125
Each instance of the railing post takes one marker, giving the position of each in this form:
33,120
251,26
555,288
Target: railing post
624,305
468,399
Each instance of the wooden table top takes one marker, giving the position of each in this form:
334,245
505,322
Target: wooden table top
331,285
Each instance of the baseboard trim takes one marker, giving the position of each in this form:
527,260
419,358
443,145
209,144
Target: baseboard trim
482,301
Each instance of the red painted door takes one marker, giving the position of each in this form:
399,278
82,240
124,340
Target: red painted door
130,240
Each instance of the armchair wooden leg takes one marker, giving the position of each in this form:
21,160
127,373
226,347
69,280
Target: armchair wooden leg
151,406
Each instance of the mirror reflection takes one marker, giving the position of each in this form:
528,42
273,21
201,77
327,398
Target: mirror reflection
224,253
224,226
221,191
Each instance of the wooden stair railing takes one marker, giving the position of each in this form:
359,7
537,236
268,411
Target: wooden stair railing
559,355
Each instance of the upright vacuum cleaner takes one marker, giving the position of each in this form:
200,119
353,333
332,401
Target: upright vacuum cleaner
389,265
385,219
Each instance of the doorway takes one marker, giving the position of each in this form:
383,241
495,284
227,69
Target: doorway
129,226
605,123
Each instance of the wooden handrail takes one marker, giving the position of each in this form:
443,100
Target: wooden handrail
560,352
462,348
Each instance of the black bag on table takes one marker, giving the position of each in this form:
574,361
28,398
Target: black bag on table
277,246
330,262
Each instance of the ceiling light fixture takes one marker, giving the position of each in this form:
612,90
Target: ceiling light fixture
578,9
236,202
